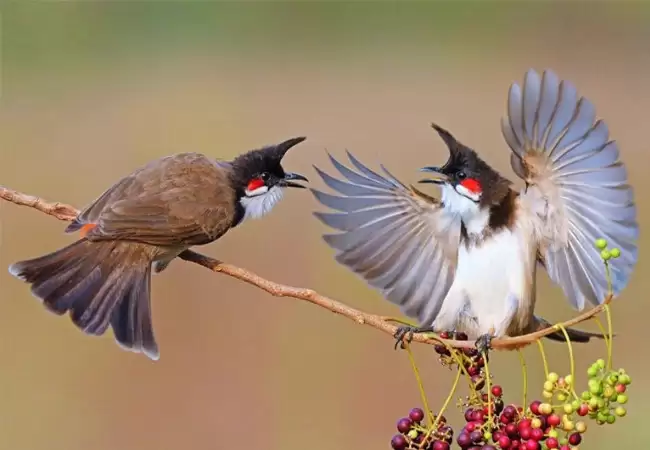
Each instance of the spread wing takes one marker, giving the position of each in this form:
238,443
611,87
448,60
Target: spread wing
577,189
398,239
182,199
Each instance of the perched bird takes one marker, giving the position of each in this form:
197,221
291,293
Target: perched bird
145,220
468,261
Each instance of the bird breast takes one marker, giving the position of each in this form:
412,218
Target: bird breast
489,275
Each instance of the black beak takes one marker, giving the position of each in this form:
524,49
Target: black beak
442,178
288,180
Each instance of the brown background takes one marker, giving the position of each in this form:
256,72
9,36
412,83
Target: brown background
91,91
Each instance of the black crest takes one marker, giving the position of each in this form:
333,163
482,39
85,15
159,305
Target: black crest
266,159
463,158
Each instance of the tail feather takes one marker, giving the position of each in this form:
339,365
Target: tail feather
97,283
574,335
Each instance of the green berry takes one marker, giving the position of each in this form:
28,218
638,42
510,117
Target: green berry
621,398
608,392
615,252
487,435
611,419
601,244
620,411
561,396
600,363
412,434
548,386
575,405
593,402
568,408
568,380
547,394
553,377
592,371
602,417
624,379
594,386
586,395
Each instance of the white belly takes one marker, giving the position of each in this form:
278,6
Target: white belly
489,287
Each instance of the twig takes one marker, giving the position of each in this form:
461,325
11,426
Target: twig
66,212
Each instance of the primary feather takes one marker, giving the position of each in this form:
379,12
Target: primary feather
577,188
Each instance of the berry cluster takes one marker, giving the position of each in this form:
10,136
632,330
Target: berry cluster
473,363
606,393
554,423
414,435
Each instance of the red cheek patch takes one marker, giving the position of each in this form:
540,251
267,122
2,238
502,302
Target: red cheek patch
255,183
472,185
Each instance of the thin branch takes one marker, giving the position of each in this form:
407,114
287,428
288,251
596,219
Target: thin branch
66,212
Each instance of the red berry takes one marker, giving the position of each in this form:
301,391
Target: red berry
504,442
583,409
471,426
515,444
472,371
524,423
488,447
536,434
620,388
461,336
416,415
565,447
497,390
398,442
534,407
505,419
554,420
469,415
525,433
575,439
511,430
532,445
404,425
440,445
552,443
479,416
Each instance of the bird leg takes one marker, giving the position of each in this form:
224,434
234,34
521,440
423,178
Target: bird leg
405,333
484,343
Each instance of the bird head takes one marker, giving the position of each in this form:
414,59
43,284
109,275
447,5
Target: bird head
466,175
259,177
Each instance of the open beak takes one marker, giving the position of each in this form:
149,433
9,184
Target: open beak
440,178
289,180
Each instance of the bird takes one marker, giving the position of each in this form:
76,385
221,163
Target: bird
140,224
467,259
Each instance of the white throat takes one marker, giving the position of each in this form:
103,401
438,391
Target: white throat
474,218
260,202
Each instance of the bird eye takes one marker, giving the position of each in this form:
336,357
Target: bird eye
264,176
461,175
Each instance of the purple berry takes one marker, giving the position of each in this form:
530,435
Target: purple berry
404,425
416,415
463,440
398,442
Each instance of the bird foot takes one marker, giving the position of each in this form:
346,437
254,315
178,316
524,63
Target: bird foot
405,334
484,343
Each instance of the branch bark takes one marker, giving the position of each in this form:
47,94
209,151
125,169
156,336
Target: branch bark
67,212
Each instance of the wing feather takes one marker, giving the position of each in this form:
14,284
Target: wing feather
401,243
578,188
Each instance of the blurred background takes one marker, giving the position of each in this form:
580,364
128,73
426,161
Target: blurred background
90,91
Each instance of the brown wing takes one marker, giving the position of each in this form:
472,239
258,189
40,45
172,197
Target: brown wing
184,199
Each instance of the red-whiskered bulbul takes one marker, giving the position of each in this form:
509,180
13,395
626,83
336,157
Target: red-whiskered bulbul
468,261
147,219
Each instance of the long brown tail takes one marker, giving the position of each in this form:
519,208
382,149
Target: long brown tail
100,283
575,335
